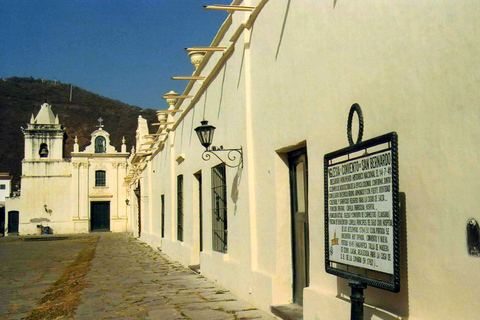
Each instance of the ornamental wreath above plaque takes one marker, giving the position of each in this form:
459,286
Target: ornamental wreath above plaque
361,210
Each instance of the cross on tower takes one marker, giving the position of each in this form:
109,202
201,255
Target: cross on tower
100,120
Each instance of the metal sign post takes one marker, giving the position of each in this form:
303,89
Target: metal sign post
356,299
361,214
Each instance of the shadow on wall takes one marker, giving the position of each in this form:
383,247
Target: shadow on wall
241,64
222,90
181,136
283,30
236,187
393,305
192,125
246,46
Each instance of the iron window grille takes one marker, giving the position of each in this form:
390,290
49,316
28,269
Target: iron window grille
219,209
180,207
100,178
162,197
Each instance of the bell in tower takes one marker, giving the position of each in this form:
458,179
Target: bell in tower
43,150
44,136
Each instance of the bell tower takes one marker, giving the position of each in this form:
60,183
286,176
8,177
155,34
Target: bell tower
44,136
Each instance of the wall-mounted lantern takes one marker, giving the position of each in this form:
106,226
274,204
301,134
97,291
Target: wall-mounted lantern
49,211
205,135
473,238
137,192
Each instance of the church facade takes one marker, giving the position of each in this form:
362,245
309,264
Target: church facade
80,194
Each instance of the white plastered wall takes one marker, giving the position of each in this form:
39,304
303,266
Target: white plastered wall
46,197
412,67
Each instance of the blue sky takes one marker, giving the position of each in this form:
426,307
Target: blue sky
125,50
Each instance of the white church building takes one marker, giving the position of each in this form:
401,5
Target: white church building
81,194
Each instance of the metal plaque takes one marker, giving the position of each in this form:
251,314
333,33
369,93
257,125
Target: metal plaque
361,212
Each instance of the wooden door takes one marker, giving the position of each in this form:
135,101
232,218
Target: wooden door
100,216
299,213
198,176
13,220
2,221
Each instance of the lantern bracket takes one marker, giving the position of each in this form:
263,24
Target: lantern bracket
230,157
234,157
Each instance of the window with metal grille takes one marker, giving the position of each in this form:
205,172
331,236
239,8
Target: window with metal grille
219,209
100,178
162,197
180,207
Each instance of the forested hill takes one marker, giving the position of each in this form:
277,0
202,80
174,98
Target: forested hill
22,97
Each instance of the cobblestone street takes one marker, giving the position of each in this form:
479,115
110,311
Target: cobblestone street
127,280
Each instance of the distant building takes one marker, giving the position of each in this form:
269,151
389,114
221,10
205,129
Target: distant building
5,189
74,195
5,186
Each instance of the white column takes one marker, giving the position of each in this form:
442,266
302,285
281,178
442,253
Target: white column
114,179
76,191
84,191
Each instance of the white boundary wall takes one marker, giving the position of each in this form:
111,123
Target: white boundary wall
289,82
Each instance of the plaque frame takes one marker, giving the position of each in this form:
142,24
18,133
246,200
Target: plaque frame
385,281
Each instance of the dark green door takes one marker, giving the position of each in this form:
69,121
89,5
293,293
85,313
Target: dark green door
198,176
2,221
100,216
13,222
299,208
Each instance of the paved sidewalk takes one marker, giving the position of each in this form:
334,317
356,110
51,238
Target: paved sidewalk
130,280
127,280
